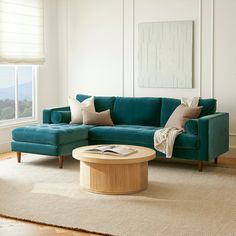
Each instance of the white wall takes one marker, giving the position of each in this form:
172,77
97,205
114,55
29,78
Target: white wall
102,48
63,61
48,81
95,47
224,86
47,75
167,10
91,48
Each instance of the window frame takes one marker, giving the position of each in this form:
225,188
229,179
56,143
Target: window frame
34,117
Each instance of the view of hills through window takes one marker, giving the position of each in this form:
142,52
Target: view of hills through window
15,102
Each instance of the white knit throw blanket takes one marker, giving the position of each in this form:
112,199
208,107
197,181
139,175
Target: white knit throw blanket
164,139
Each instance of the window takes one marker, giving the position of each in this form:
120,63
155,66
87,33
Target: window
21,48
17,92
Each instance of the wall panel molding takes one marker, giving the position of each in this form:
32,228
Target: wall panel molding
68,47
205,16
199,79
123,48
133,48
212,47
200,47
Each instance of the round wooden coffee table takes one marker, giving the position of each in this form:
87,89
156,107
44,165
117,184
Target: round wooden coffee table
109,174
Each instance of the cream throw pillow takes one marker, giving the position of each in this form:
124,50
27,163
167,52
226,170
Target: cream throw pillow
76,109
181,114
97,118
190,102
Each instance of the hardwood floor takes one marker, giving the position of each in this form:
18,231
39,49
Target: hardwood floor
227,162
7,155
11,227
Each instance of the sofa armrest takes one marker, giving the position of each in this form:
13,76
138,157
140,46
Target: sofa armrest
47,113
213,132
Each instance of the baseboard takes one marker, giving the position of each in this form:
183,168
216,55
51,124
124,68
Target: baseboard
5,147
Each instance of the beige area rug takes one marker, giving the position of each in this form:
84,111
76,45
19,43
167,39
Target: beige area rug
179,200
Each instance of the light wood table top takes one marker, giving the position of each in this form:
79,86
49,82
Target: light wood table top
143,154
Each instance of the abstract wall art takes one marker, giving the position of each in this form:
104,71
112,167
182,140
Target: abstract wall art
165,54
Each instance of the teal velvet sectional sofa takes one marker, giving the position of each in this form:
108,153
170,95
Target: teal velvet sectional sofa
136,120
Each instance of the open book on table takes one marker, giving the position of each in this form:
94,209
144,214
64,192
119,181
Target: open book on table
115,150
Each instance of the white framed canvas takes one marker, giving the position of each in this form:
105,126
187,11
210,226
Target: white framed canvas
165,54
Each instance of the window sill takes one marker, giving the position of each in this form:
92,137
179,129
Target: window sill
18,122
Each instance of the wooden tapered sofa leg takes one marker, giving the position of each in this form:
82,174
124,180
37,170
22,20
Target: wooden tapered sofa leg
216,160
18,154
200,166
61,161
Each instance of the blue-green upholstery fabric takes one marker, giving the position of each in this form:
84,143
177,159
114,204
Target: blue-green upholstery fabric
136,120
137,111
214,135
47,149
137,135
61,117
179,153
208,106
170,104
127,134
189,154
167,107
191,126
53,134
101,103
47,113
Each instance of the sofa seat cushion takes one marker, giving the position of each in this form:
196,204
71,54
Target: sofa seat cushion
137,135
52,134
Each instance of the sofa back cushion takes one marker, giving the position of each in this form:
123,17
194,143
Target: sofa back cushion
208,106
137,111
170,104
101,103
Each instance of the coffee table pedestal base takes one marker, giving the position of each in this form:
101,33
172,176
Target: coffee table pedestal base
114,178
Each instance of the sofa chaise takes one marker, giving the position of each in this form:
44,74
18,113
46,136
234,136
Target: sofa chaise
136,120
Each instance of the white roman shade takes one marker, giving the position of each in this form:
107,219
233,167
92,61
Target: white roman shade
21,32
